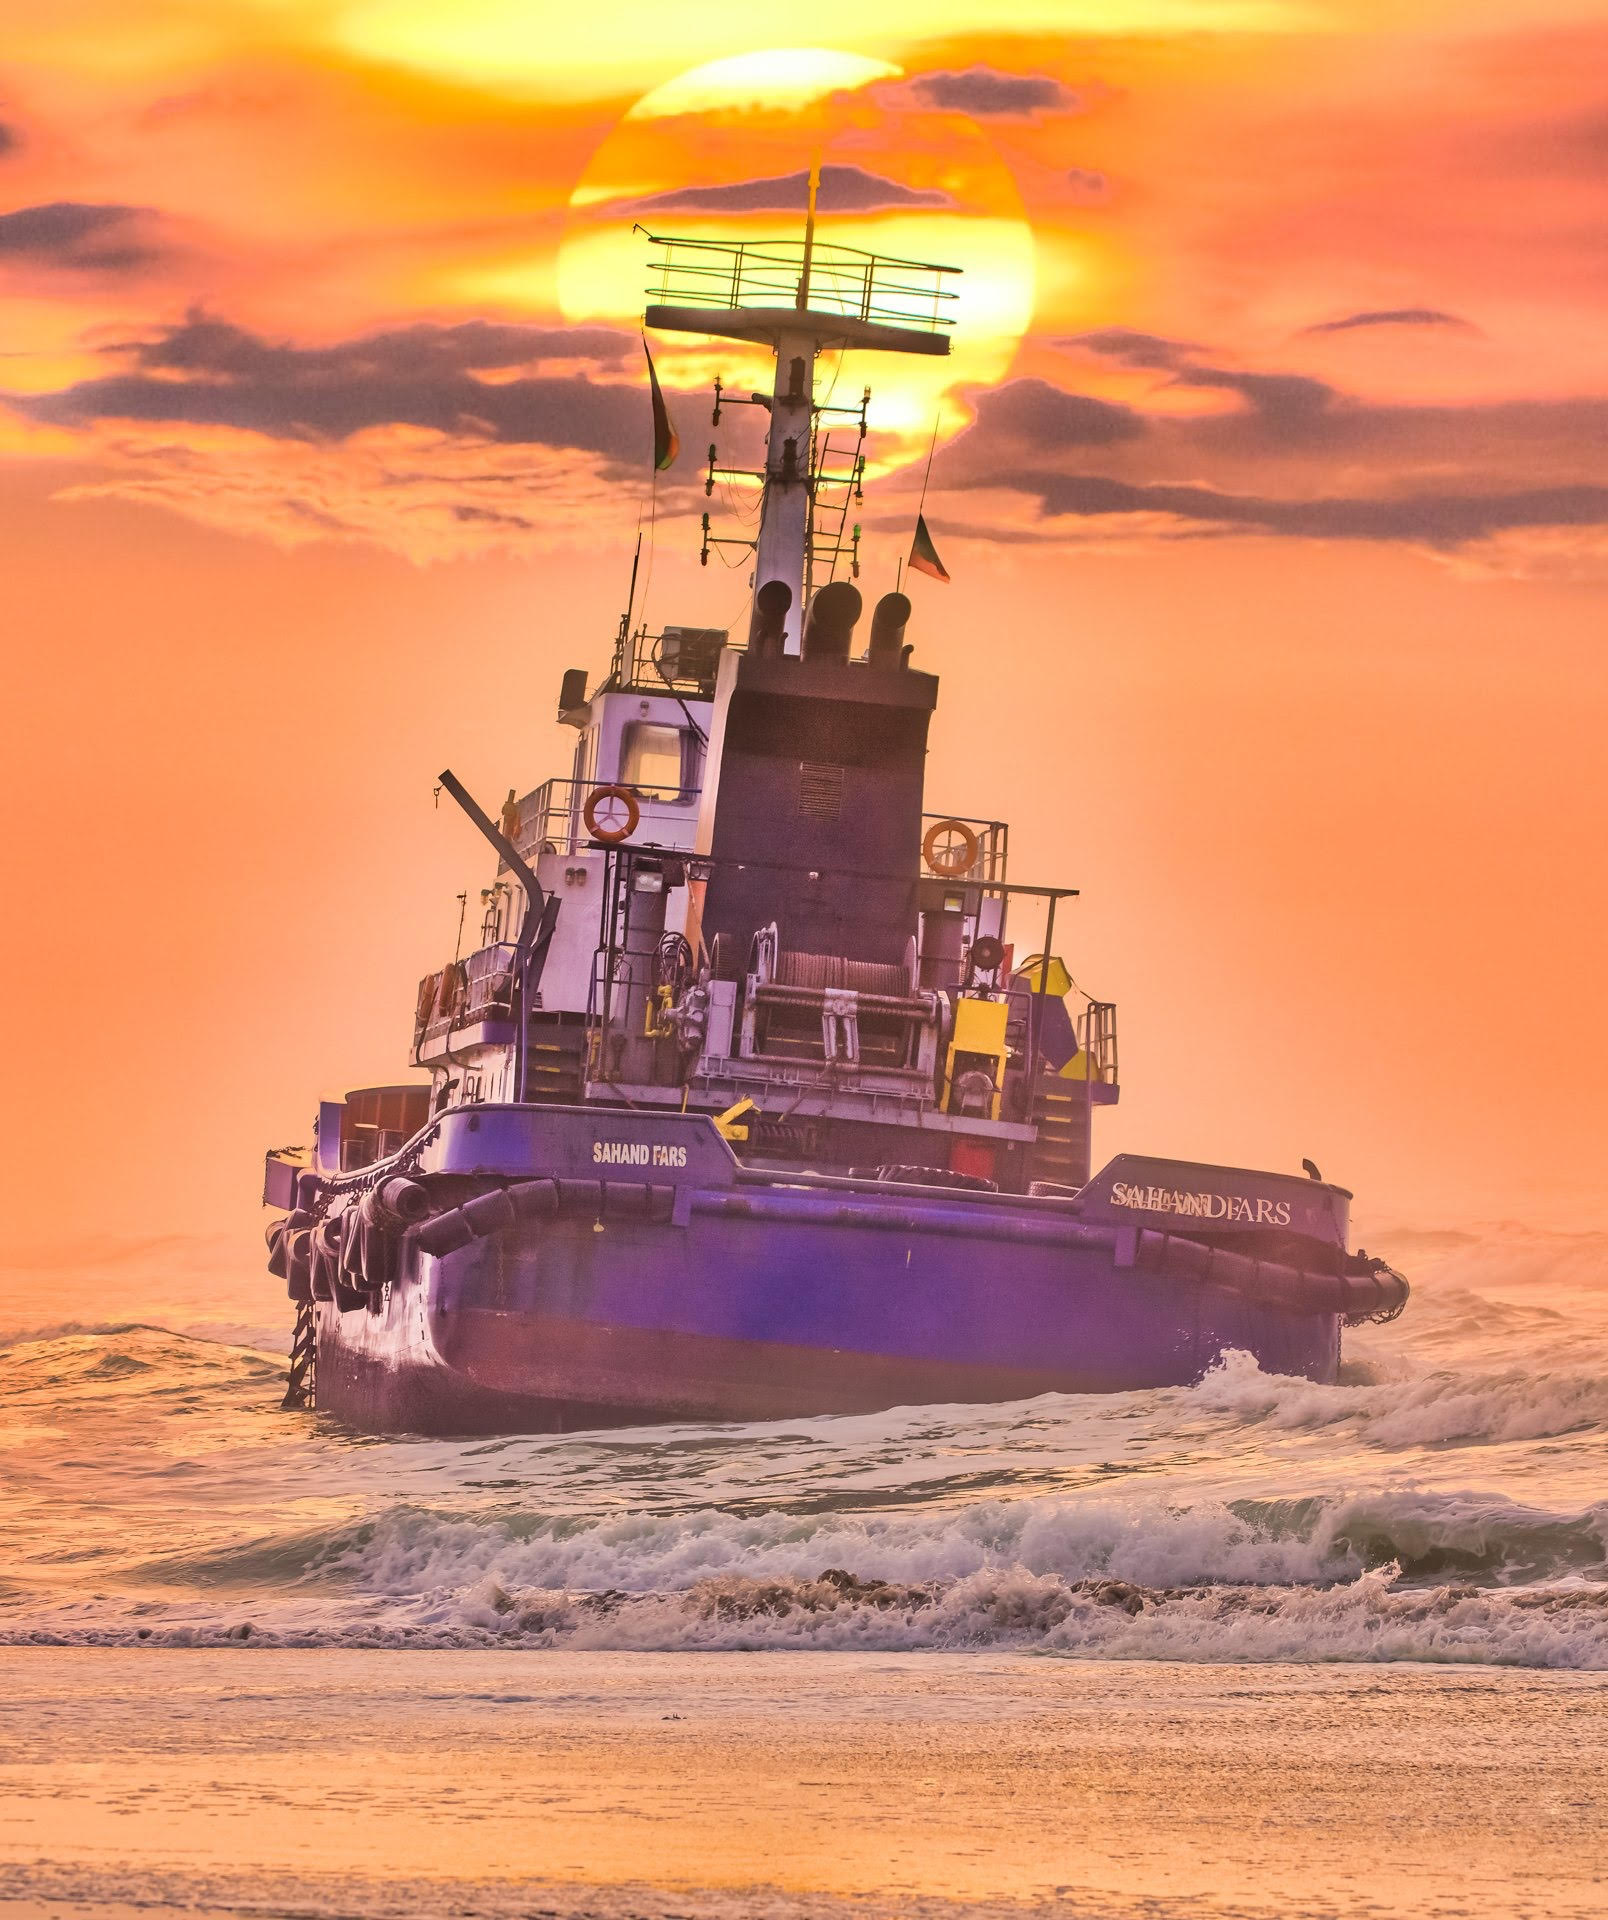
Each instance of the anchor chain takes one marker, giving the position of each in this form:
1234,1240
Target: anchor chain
301,1384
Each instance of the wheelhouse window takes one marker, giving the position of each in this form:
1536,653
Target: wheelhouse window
655,759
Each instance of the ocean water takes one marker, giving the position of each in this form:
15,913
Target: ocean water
1447,1503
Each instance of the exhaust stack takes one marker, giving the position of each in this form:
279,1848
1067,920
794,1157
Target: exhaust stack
888,622
829,621
767,629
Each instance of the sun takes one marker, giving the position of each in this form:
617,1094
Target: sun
781,79
720,152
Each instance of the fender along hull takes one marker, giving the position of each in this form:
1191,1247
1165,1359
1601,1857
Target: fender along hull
573,1322
571,1267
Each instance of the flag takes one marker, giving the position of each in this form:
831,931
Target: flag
666,441
923,554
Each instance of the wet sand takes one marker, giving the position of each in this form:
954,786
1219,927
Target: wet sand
324,1782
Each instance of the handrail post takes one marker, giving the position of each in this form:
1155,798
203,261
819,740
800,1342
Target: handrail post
1037,1022
1088,1091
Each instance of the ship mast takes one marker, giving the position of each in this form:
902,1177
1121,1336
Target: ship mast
780,553
798,298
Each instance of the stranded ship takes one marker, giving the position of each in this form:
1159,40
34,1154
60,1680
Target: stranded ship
766,1091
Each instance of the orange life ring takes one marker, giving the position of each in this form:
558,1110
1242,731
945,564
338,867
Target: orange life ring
603,816
950,848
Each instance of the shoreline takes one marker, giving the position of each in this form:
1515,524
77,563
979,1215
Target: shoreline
250,1780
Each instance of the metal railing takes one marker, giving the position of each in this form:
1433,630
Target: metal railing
1099,1039
766,273
552,819
682,660
466,993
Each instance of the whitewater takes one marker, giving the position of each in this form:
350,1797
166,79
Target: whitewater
1446,1503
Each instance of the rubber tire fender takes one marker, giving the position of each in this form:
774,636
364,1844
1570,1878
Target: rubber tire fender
445,1234
489,1213
299,1264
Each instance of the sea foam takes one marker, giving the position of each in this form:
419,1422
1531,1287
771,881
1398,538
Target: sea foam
1445,1501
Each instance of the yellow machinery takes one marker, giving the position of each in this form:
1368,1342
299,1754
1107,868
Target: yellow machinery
974,1074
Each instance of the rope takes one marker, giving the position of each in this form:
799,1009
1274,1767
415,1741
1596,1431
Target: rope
932,448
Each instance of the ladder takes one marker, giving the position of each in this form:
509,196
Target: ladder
834,490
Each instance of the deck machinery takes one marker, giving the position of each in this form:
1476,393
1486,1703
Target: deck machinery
765,1091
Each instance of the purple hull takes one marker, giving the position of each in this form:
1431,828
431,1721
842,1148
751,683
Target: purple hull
702,1291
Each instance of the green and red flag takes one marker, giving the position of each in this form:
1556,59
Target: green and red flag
666,441
923,554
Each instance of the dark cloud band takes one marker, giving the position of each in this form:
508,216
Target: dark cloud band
210,373
1499,467
1437,519
985,93
1267,462
1133,349
1393,317
78,234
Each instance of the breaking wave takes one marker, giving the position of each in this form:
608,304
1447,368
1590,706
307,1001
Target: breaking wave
1390,1576
1261,1543
1444,1503
1431,1410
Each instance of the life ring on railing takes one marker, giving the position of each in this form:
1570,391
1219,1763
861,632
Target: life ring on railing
950,848
611,814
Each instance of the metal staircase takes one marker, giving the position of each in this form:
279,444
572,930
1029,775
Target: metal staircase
1061,1151
1063,1110
555,1060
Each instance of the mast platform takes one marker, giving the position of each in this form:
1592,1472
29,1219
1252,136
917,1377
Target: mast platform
762,291
767,325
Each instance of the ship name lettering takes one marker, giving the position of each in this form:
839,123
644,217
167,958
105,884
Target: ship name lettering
637,1153
1235,1208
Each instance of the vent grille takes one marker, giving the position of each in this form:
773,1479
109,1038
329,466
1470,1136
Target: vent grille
820,792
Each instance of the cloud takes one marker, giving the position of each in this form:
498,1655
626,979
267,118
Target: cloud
207,345
1089,188
1033,413
1297,459
985,93
77,235
1437,519
8,140
843,190
208,372
1133,349
1393,317
409,491
1286,402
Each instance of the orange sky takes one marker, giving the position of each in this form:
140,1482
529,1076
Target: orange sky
1279,540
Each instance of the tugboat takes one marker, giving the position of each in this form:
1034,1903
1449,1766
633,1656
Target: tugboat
752,1102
